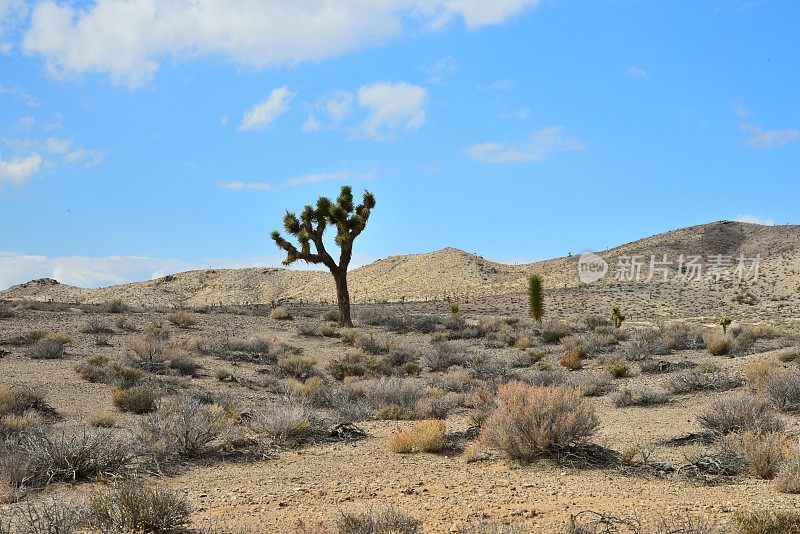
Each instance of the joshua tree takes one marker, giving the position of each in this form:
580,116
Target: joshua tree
535,297
725,322
617,317
349,222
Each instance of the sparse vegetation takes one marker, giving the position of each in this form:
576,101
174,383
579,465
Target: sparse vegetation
740,413
132,506
182,319
387,521
136,399
424,436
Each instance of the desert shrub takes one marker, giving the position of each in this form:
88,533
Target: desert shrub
393,412
349,335
14,425
316,391
439,405
182,319
371,344
788,478
531,421
136,399
738,414
285,422
389,521
355,363
761,453
50,516
96,326
548,377
758,372
299,367
255,349
646,343
124,377
331,316
693,380
19,400
767,522
619,369
444,355
102,420
37,458
554,331
680,336
594,385
185,427
789,354
308,329
652,367
573,360
123,322
147,352
280,314
399,353
46,349
401,392
183,364
594,321
115,306
783,390
639,397
718,345
6,311
424,436
132,506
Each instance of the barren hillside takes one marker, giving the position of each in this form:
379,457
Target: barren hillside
452,273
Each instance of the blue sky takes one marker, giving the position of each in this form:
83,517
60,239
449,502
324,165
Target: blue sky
141,137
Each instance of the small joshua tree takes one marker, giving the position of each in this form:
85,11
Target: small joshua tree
349,222
725,322
617,317
535,297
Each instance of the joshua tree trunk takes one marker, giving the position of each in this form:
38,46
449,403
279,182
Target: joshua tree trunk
343,298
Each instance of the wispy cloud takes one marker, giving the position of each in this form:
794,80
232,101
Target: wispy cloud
755,219
254,186
19,94
758,137
637,72
266,111
440,70
17,171
535,148
503,84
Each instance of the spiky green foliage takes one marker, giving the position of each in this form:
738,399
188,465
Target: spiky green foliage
347,219
725,322
617,317
535,297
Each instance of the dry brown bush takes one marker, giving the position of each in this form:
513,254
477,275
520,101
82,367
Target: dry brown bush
762,453
531,421
137,399
740,413
424,436
182,319
132,506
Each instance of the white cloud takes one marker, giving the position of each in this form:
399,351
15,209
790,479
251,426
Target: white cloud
18,171
311,125
334,107
758,136
18,94
522,113
237,185
535,148
58,146
755,219
636,72
503,84
224,120
392,106
24,123
89,156
267,110
441,69
127,39
12,13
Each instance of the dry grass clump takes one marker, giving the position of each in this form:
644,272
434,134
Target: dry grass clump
99,369
356,363
762,453
46,349
767,522
280,313
299,367
182,319
389,521
758,372
115,306
695,380
46,517
6,311
555,331
788,478
283,423
371,344
639,397
137,399
740,413
37,458
782,389
718,345
132,506
183,364
424,436
148,352
102,420
531,422
19,400
399,394
594,385
619,369
445,355
96,326
185,427
573,360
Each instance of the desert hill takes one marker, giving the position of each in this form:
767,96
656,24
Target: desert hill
455,274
